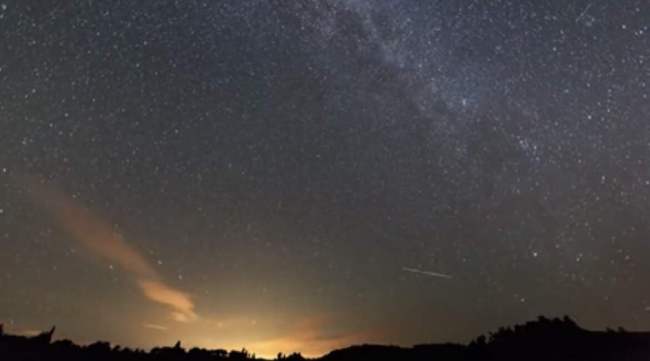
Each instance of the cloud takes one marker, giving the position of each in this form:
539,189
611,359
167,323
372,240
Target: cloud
102,240
153,326
178,300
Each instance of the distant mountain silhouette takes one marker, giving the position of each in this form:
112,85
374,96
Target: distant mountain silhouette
542,339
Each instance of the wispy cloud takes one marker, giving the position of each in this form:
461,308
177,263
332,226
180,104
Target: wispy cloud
181,303
102,240
153,326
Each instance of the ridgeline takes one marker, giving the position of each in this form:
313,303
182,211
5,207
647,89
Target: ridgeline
542,339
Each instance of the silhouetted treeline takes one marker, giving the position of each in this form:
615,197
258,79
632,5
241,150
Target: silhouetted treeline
543,339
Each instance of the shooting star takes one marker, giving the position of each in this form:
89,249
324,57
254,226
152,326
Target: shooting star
426,273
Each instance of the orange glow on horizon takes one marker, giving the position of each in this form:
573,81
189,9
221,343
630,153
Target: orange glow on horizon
311,336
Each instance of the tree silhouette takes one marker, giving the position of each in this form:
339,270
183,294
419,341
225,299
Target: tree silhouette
542,339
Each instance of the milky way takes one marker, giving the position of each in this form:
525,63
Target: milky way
278,164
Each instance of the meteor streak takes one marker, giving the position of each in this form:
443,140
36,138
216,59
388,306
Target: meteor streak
426,273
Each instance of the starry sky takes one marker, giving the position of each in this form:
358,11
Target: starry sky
306,175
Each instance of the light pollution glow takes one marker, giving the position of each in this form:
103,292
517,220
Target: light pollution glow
308,335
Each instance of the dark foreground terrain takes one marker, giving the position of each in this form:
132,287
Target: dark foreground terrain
543,339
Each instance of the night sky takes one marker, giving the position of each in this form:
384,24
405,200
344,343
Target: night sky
305,175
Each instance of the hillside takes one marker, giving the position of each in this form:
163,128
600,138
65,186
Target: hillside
542,339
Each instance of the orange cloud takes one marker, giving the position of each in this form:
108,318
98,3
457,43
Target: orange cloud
154,326
100,239
179,301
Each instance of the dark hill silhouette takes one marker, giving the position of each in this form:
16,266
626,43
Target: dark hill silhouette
542,339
